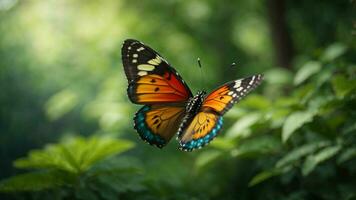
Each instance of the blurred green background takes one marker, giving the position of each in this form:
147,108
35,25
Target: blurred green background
66,129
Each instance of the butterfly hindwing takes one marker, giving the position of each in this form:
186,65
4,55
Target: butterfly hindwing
151,79
224,97
157,124
203,128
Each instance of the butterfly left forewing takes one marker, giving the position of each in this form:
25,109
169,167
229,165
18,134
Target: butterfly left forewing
151,79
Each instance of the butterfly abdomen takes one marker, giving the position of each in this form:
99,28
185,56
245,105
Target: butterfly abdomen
194,103
192,108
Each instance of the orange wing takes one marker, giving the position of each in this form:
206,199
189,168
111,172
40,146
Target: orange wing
157,124
203,128
197,131
151,79
224,97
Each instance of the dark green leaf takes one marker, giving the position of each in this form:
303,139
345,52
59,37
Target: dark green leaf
206,158
307,70
74,154
265,175
300,152
33,181
347,154
295,121
256,146
313,160
333,51
342,86
241,128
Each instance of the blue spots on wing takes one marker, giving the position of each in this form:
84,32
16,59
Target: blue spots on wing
144,131
198,143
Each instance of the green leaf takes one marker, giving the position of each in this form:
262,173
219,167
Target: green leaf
333,51
278,76
51,157
349,129
256,102
303,94
34,181
223,143
317,103
206,158
294,121
300,152
241,128
342,86
323,77
256,146
313,160
307,70
96,149
264,175
74,154
348,154
61,103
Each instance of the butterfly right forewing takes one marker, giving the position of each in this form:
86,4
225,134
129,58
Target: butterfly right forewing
224,97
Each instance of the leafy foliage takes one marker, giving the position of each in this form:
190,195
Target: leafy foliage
74,155
61,75
312,123
70,164
295,121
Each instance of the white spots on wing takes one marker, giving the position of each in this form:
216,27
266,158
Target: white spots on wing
239,89
135,55
237,83
234,95
129,48
155,61
140,49
146,67
142,73
252,80
230,93
134,61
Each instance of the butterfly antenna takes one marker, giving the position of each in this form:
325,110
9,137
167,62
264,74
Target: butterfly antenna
231,69
201,74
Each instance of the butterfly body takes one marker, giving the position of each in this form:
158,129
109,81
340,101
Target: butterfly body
169,106
194,103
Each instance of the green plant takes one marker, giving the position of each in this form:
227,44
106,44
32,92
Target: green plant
77,168
303,137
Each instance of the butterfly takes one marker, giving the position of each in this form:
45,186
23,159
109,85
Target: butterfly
170,108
